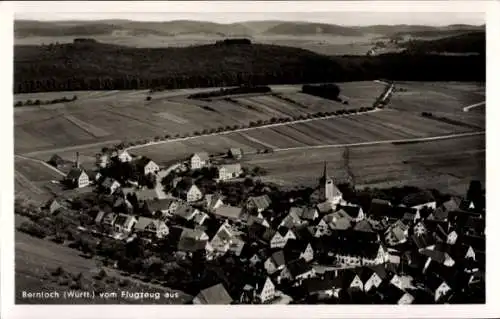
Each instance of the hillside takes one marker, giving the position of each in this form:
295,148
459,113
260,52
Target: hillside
29,28
474,42
103,66
299,29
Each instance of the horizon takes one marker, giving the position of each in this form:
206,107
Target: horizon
478,24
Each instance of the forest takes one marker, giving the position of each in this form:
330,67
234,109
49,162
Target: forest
99,66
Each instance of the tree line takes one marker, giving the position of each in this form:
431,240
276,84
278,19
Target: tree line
45,102
74,67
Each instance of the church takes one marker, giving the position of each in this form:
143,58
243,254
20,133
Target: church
327,191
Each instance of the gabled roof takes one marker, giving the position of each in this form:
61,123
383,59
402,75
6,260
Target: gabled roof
123,219
423,241
227,211
75,173
108,182
309,213
260,202
380,208
451,204
366,250
159,204
144,222
99,217
278,258
364,226
184,211
141,162
298,267
314,285
202,155
231,168
215,295
235,151
324,207
145,194
352,211
338,220
189,244
416,199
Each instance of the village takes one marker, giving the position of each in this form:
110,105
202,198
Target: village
211,228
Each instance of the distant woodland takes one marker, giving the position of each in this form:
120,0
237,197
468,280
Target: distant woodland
97,66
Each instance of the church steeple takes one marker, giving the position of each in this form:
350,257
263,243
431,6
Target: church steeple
324,177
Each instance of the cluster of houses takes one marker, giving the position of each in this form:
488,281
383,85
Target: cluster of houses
416,251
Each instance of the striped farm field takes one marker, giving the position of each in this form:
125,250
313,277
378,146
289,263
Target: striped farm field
448,165
34,171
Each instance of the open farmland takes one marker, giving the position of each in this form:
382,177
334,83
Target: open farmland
97,117
35,171
374,126
448,165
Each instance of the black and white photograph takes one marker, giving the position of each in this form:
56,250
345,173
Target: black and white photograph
270,158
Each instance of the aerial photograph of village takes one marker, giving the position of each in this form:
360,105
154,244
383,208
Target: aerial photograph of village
261,159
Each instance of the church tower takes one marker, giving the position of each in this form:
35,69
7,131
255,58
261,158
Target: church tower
326,183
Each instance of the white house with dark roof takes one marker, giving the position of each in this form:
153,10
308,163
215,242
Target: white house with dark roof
110,185
199,160
146,166
229,171
276,262
78,178
53,206
154,227
193,194
212,201
278,238
124,223
124,156
396,234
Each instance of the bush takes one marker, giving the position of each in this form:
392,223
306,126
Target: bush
34,229
148,98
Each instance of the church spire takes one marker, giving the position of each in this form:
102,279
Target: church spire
324,177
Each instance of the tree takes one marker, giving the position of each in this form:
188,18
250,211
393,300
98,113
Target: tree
148,98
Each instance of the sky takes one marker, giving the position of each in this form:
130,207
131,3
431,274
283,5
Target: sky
369,13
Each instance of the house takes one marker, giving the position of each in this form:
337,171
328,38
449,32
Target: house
228,212
396,234
123,156
193,194
292,219
359,254
299,270
258,203
350,280
355,212
124,223
153,227
123,205
372,277
110,185
420,200
259,219
393,295
199,160
319,228
229,171
363,226
310,214
439,288
338,220
77,178
325,207
299,249
165,206
265,290
278,238
56,161
185,211
445,208
212,201
146,166
215,295
235,153
109,219
452,237
276,262
200,217
53,206
327,190
222,240
102,160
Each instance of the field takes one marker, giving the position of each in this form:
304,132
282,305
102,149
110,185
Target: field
36,258
447,165
99,117
126,115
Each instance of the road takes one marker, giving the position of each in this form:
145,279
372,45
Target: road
408,140
161,174
41,162
245,129
467,108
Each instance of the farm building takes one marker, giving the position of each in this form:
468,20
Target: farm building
229,171
215,295
199,160
146,166
124,156
235,153
78,178
151,226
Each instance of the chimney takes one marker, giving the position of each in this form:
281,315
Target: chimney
77,163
